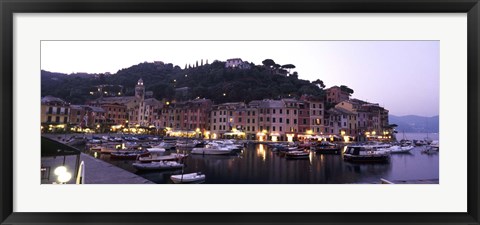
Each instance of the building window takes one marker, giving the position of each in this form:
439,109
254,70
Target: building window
253,120
280,120
268,119
294,121
280,128
273,128
288,111
239,120
288,121
273,120
304,121
49,119
273,111
57,119
281,111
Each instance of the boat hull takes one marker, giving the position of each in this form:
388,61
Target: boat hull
188,178
366,159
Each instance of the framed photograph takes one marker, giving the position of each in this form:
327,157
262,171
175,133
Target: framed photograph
289,112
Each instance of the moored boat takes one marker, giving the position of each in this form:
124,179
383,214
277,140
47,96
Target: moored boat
398,149
171,157
326,148
161,165
214,148
127,154
165,145
188,178
297,155
365,154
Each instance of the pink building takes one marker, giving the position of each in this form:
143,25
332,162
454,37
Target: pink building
335,95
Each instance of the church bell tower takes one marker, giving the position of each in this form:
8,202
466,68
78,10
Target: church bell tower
140,90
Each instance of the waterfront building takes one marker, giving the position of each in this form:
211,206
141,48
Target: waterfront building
276,118
372,119
87,116
339,122
135,111
229,119
54,114
336,94
188,118
317,114
304,117
115,113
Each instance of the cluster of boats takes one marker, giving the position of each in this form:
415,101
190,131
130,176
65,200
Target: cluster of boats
360,152
154,154
159,155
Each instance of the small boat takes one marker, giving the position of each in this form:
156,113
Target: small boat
432,148
435,145
188,144
398,149
156,150
171,157
161,165
215,148
188,178
326,148
365,154
165,145
297,155
127,154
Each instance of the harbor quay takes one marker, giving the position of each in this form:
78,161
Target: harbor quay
152,159
96,171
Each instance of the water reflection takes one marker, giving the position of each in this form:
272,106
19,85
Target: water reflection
257,164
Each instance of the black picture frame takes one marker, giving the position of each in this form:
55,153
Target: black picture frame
9,7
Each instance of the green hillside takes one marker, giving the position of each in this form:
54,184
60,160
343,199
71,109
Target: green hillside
212,81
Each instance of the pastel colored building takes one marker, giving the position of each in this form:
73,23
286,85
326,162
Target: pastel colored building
335,95
54,111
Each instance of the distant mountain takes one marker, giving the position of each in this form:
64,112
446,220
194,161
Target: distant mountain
415,124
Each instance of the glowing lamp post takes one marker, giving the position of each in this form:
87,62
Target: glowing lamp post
63,176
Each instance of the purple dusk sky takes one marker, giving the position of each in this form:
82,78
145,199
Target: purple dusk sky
402,76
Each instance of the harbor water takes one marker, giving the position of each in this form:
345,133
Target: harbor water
257,164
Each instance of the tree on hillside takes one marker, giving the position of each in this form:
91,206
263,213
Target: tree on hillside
288,67
268,63
319,83
346,89
294,75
